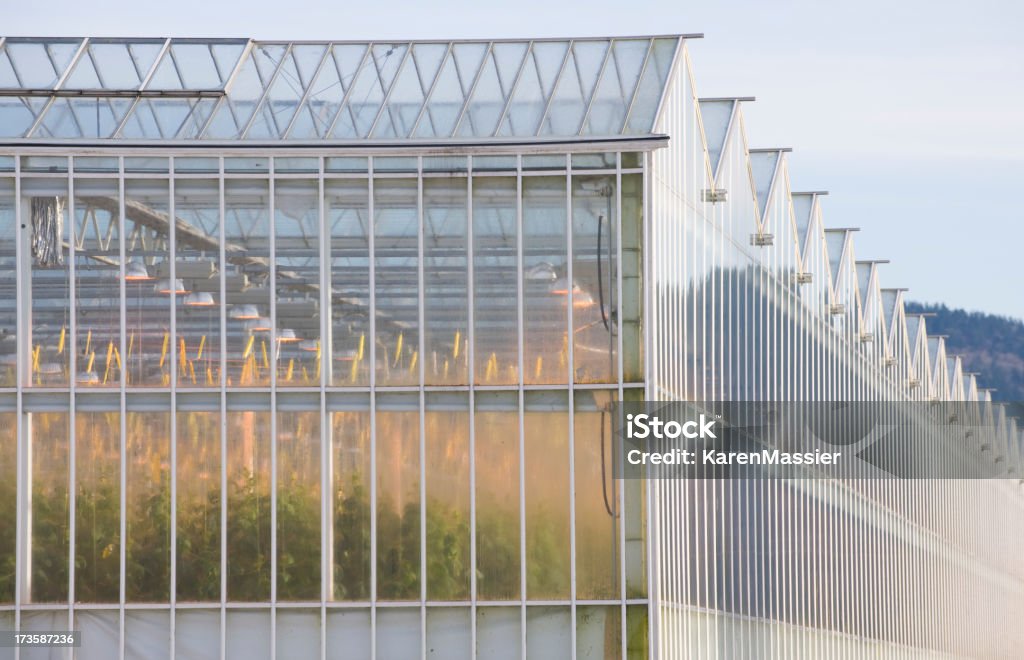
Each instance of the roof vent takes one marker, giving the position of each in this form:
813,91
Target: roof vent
714,195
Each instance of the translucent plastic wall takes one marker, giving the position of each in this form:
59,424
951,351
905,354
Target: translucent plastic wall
342,407
752,298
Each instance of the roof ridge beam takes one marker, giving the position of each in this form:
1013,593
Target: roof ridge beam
710,99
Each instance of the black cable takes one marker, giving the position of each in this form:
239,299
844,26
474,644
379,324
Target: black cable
604,479
600,282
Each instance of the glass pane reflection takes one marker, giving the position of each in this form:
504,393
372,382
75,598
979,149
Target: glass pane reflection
146,263
198,506
398,498
351,514
198,343
49,345
247,231
97,226
546,444
445,281
446,465
546,294
348,217
495,272
497,496
97,507
396,240
148,502
249,505
297,246
50,535
8,503
298,505
8,284
597,497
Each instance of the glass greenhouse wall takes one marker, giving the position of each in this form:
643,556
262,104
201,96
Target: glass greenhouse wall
309,350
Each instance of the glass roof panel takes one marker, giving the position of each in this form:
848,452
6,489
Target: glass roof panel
84,75
17,115
8,80
575,88
192,115
226,56
325,93
446,100
239,89
371,83
652,84
405,99
236,110
40,64
615,91
166,76
451,90
281,101
492,88
113,65
83,117
307,58
534,88
59,121
197,67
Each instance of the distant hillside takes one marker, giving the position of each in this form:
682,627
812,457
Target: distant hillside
991,345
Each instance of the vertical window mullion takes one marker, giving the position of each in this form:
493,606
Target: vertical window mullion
570,333
122,416
420,315
272,286
520,335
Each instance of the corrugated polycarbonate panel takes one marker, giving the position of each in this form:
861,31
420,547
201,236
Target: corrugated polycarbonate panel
809,567
153,89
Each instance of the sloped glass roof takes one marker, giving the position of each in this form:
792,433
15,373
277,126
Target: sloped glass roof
188,89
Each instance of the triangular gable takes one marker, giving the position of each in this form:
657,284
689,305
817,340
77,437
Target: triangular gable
804,207
716,116
911,323
922,359
835,250
864,271
764,170
956,385
971,388
937,356
890,302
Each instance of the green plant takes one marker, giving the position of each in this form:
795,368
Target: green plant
97,545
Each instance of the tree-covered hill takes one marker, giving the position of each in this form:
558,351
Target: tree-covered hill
991,345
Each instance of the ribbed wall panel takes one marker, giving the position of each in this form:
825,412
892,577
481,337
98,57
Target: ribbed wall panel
804,568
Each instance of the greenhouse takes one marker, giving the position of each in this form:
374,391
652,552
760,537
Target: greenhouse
311,350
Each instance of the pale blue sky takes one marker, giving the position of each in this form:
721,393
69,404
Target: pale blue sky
910,113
